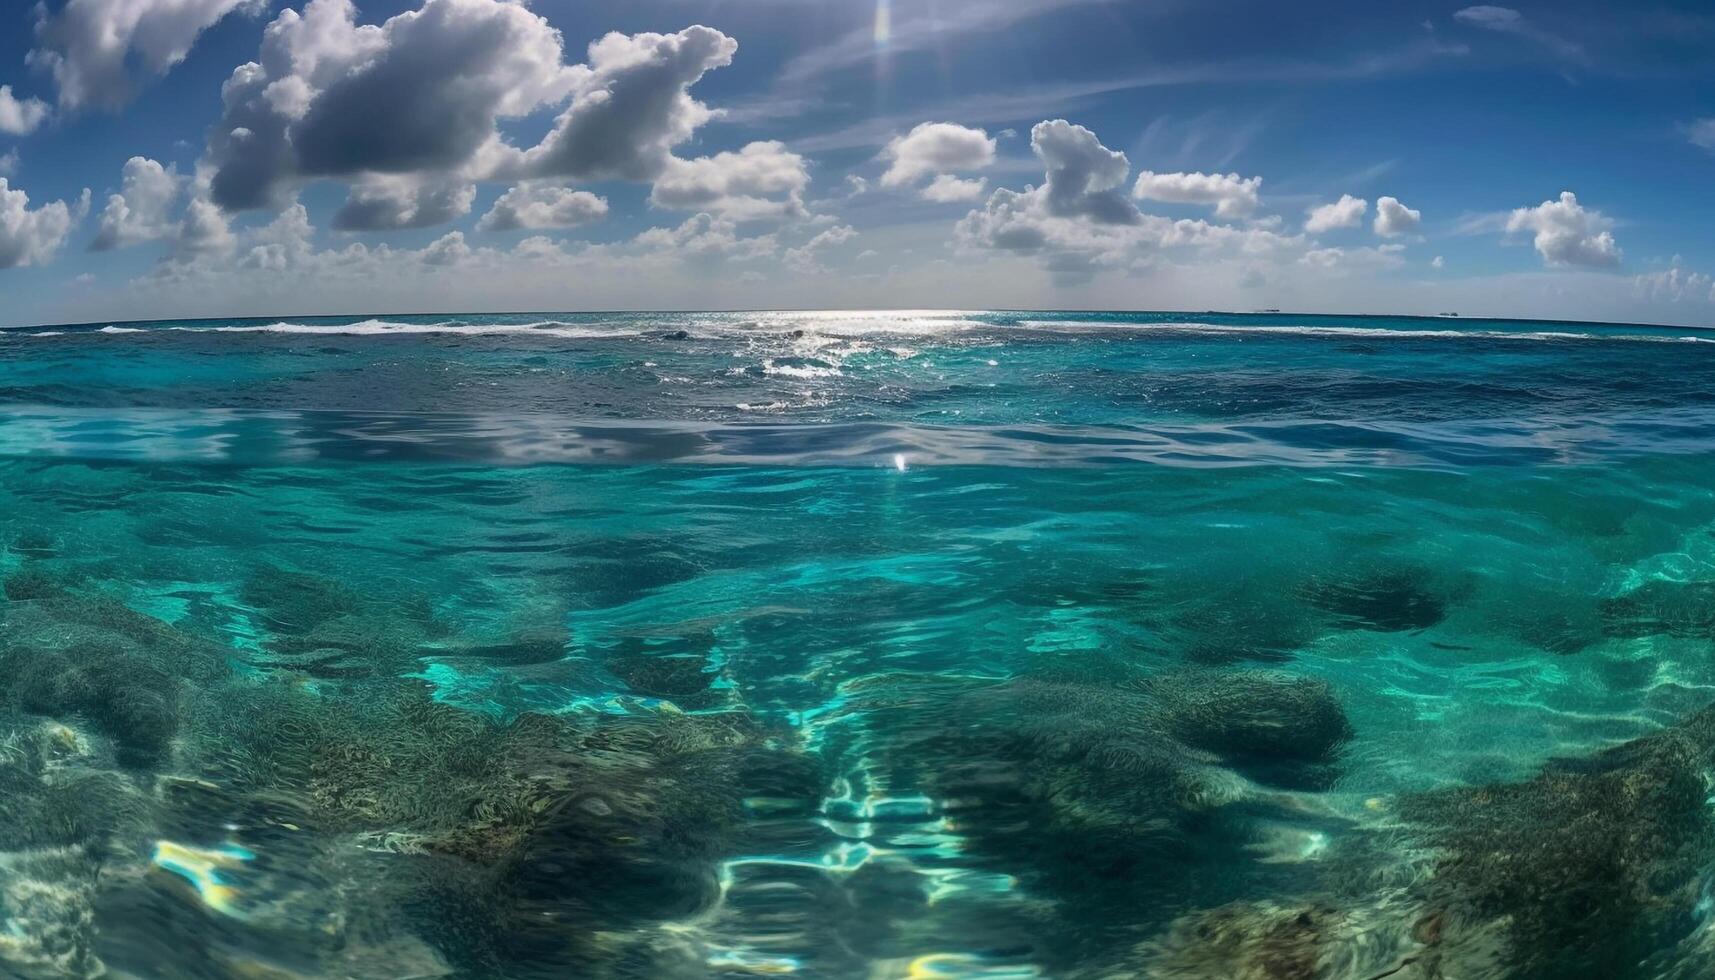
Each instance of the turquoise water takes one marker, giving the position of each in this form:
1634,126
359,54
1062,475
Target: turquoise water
857,645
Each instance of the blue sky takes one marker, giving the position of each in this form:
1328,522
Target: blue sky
440,155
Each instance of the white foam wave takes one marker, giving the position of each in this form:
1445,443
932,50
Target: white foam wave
382,328
1355,332
805,372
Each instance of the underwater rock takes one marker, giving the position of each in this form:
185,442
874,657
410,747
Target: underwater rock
298,601
47,916
1389,599
1251,714
1595,869
680,678
1685,609
67,824
1079,789
514,845
1113,800
1585,869
64,655
1248,625
30,584
1241,941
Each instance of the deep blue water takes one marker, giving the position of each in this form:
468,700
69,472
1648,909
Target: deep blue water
1269,647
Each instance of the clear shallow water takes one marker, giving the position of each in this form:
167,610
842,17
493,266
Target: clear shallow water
923,645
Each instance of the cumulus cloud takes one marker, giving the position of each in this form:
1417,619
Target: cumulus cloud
631,105
1567,233
140,211
1674,285
202,231
32,236
1394,219
948,189
1347,212
418,95
90,47
936,147
408,111
384,203
763,180
1080,219
449,249
283,243
1083,176
542,206
20,116
1233,196
707,237
805,257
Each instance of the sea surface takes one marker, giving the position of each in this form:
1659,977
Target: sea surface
857,645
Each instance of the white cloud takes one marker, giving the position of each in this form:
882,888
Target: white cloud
631,105
203,231
90,46
384,203
283,243
542,206
1506,20
1674,285
32,237
1438,263
1347,212
763,180
409,112
1567,233
948,189
140,211
449,249
936,148
1701,132
805,258
1233,196
1394,219
417,96
8,163
1345,261
706,238
1080,219
20,116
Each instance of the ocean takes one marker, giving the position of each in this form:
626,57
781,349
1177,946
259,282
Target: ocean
857,645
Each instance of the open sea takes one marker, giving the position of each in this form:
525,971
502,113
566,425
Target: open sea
857,645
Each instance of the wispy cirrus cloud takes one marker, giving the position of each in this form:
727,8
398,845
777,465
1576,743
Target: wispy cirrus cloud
1049,100
1506,20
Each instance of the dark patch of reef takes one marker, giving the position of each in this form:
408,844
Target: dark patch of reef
169,805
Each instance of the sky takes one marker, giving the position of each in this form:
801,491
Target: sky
212,158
